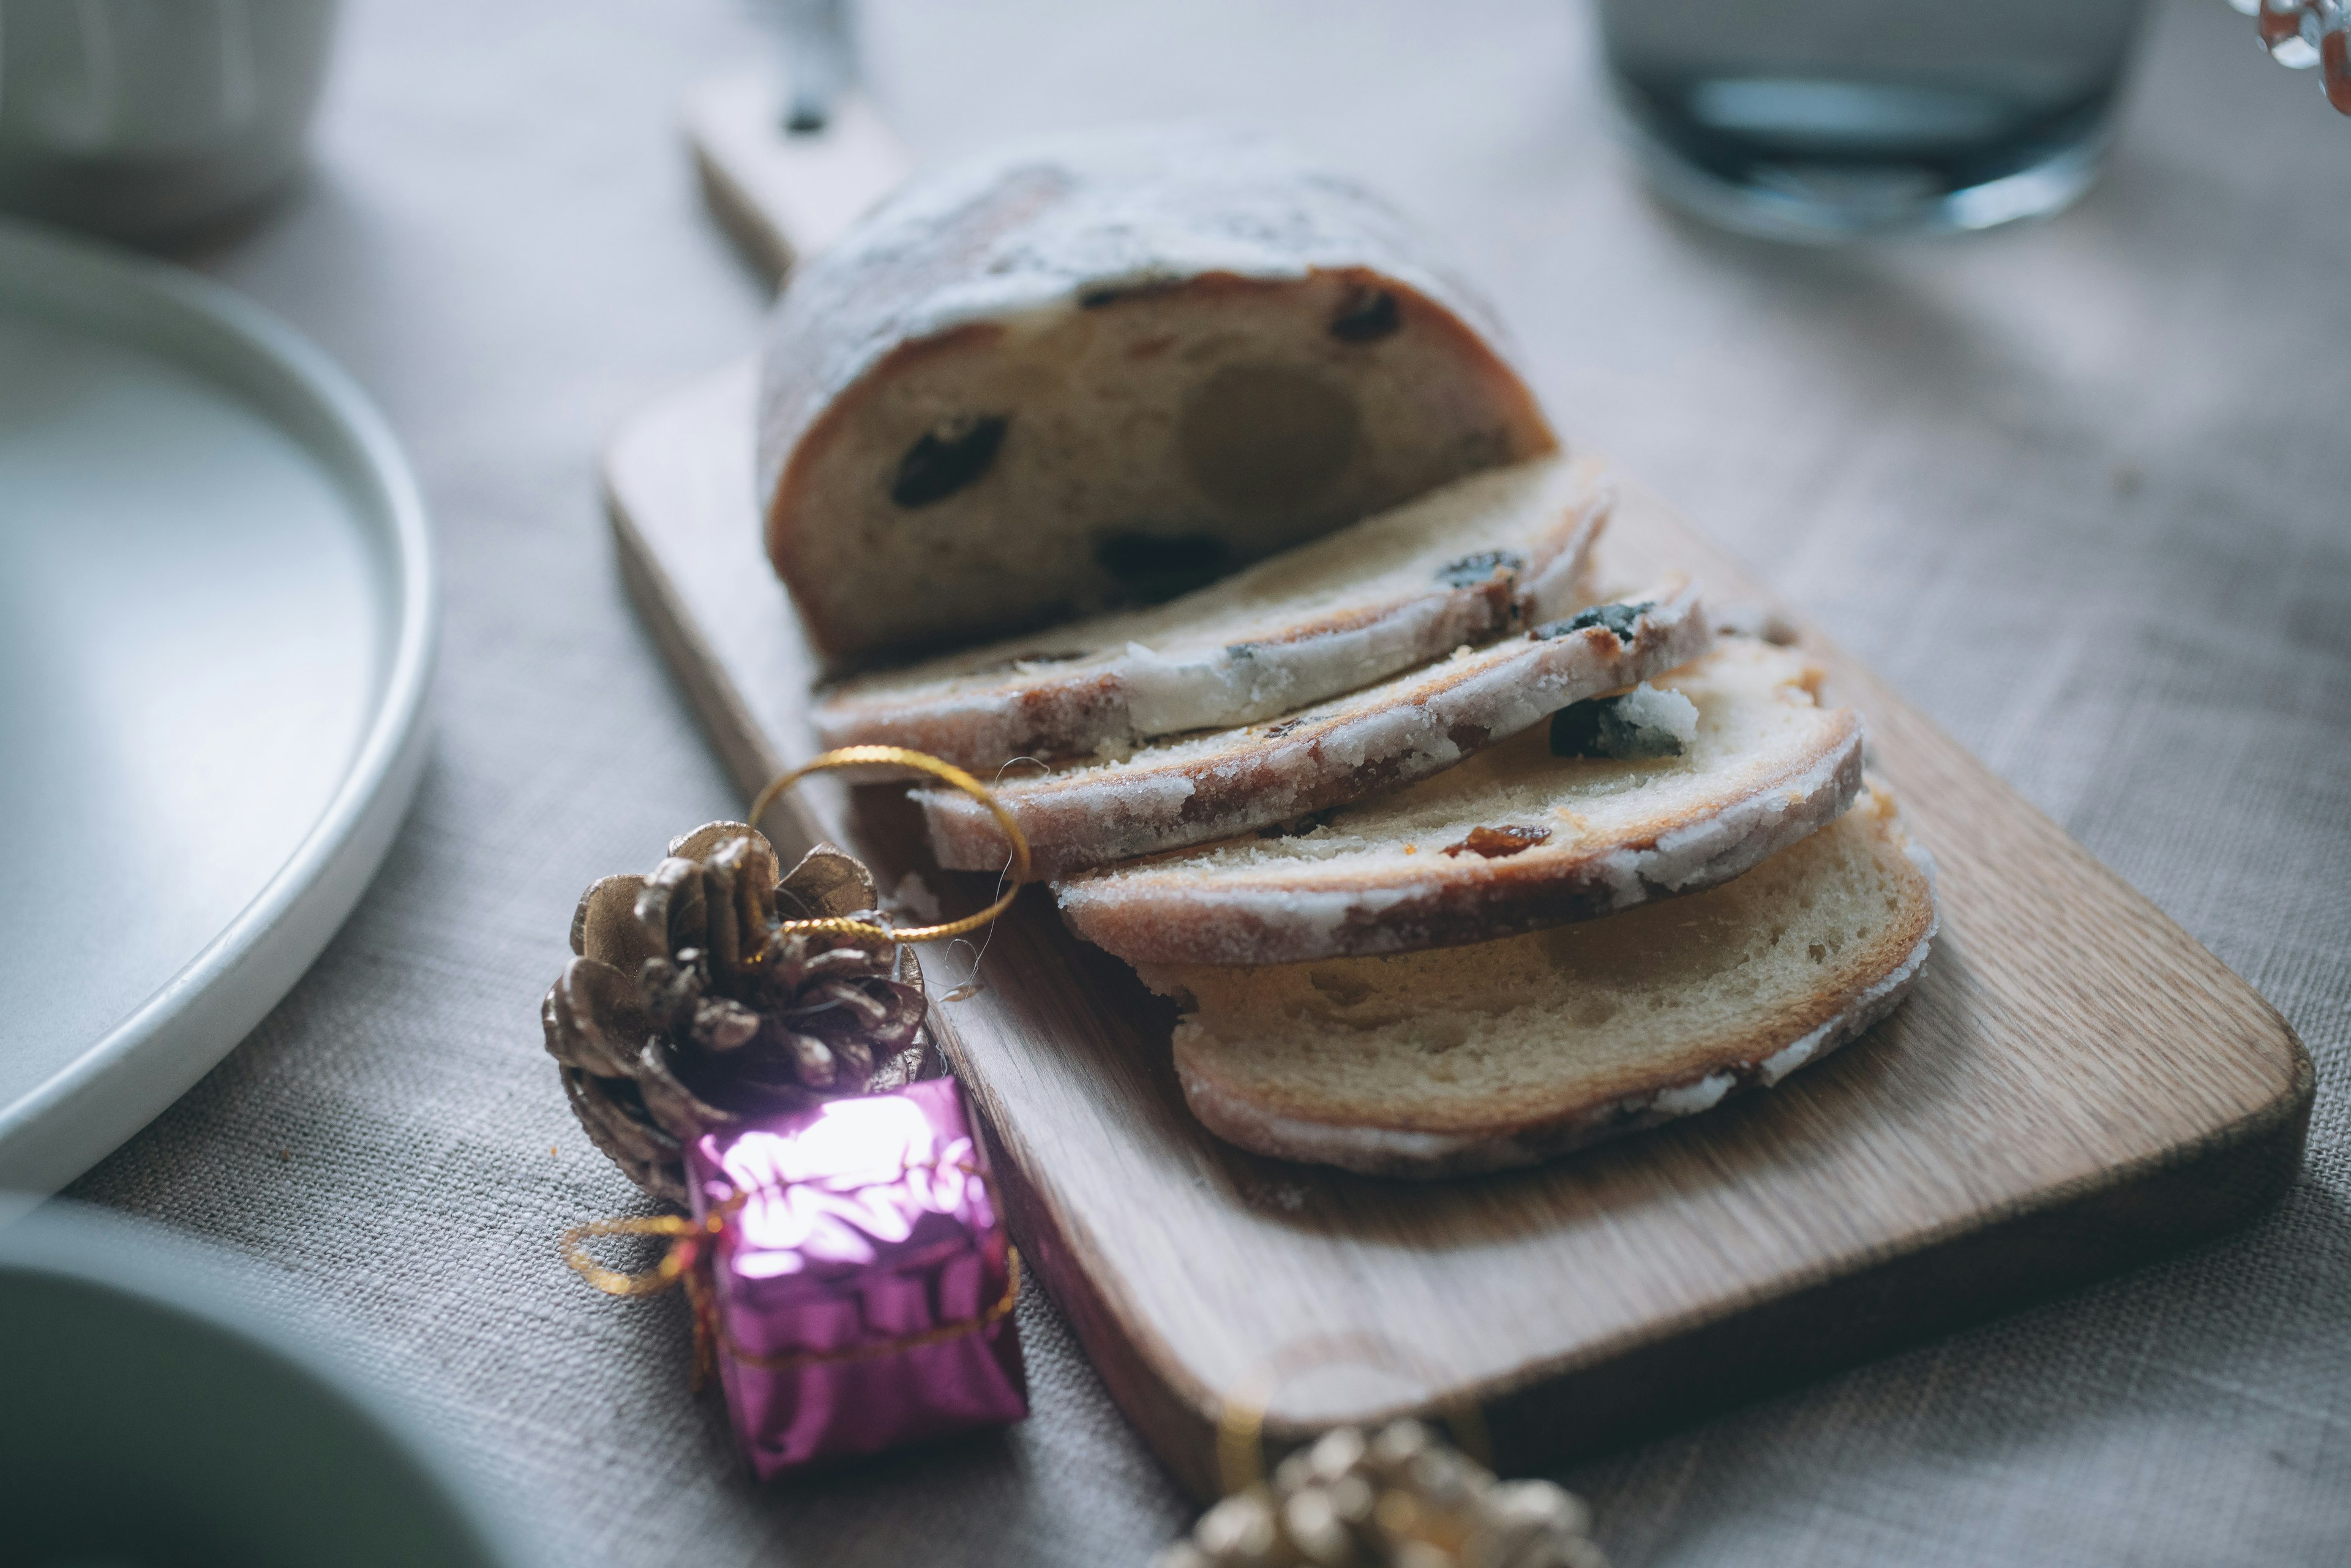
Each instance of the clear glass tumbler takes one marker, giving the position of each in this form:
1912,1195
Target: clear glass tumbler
1823,121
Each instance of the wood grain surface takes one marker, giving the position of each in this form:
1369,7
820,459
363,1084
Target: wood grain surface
2074,1085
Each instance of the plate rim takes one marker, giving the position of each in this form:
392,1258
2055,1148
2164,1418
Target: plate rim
121,1081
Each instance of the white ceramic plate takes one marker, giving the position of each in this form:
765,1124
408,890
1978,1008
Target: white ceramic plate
216,630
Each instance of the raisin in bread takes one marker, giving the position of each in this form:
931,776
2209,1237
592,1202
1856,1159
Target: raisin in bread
1482,556
1195,788
1102,370
1510,1052
1739,761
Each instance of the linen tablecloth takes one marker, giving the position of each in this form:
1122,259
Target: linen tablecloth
2082,490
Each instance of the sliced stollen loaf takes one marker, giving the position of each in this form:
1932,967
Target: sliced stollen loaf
1482,556
1510,1052
1512,840
1193,790
1102,371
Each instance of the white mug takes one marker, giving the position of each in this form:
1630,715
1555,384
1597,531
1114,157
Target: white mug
145,119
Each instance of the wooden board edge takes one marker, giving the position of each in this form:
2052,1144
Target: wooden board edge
724,719
2020,1260
1549,1417
2278,1129
739,216
1176,1418
782,196
1923,740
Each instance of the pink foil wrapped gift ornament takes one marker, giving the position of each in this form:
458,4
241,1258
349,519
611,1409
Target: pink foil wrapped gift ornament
860,1283
850,1274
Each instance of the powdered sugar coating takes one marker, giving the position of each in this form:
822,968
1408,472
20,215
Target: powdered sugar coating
1035,228
1765,767
1193,790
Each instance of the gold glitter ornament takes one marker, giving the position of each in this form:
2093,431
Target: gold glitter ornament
1399,1498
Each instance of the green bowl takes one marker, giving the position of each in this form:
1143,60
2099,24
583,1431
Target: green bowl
145,1419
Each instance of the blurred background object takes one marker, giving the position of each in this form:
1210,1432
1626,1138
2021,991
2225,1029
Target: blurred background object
1822,120
2300,34
834,149
155,1417
821,57
144,120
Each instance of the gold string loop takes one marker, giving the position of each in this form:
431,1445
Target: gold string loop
685,1247
921,762
686,1263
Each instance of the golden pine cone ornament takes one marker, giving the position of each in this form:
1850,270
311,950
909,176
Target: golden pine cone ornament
1402,1499
684,1008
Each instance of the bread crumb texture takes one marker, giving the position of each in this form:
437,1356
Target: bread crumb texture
1498,1037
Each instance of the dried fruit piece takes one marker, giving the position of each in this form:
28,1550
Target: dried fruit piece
1259,437
1156,568
949,456
1369,315
1629,727
1619,619
1495,843
1472,570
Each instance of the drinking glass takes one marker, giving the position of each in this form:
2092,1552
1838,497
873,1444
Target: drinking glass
1823,121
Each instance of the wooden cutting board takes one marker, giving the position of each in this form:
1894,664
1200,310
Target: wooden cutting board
2075,1086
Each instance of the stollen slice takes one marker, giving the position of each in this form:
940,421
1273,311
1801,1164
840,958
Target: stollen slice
1506,1053
1191,789
1514,839
1490,554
